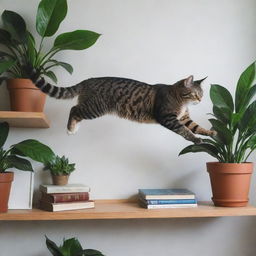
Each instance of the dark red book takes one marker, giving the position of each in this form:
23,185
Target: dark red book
65,197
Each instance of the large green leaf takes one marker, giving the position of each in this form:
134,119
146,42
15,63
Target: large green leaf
76,40
223,133
53,248
50,14
223,114
51,75
71,247
221,97
31,48
5,65
248,121
203,147
5,37
19,163
244,84
4,131
15,24
90,252
35,150
245,101
64,65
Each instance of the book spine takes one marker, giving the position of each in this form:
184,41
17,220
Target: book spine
70,197
177,201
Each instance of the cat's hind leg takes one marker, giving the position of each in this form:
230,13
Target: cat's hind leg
75,117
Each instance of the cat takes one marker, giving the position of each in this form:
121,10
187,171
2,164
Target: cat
133,100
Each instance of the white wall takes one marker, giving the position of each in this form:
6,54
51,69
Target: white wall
156,42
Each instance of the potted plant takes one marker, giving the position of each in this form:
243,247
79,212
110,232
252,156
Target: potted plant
235,124
15,157
60,169
22,54
70,247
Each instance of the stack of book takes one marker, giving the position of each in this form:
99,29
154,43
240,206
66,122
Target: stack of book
166,198
62,198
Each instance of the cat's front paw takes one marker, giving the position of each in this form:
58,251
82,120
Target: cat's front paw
213,133
198,141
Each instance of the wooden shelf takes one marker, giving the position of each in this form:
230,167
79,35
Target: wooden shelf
25,119
124,209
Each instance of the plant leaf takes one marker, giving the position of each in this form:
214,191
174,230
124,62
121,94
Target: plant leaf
222,131
221,97
15,24
203,147
223,114
248,121
53,248
64,65
5,65
5,37
31,48
90,252
34,150
19,163
50,14
76,40
71,247
243,86
51,75
4,131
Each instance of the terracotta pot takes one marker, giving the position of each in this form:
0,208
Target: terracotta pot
60,179
230,183
6,179
25,96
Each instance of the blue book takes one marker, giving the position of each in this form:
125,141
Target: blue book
159,194
170,201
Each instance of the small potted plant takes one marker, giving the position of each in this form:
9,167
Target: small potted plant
70,247
22,54
15,157
235,124
60,169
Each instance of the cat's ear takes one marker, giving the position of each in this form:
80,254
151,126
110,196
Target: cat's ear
200,81
188,82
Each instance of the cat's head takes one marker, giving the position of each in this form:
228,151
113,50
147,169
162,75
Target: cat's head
191,91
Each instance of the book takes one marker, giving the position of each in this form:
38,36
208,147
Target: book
65,197
65,206
69,188
166,206
169,201
175,193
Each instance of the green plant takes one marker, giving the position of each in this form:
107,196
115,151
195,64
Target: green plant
15,156
59,166
70,247
234,121
22,54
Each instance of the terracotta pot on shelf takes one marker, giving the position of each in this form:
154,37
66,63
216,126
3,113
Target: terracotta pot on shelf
25,96
6,179
230,183
60,179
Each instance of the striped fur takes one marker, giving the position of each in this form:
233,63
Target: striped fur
133,100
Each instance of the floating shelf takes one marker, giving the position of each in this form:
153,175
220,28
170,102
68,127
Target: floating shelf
25,119
124,209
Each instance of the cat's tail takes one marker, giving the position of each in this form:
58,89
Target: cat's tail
52,90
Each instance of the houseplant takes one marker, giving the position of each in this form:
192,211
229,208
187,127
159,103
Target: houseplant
60,169
15,157
70,247
235,124
22,53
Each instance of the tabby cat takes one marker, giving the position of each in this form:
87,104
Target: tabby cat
133,100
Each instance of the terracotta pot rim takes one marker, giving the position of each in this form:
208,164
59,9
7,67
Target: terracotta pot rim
21,83
220,163
6,177
60,175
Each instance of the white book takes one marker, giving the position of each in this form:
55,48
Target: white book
69,188
168,206
66,206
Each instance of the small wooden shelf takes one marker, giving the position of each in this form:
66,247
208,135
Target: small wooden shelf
124,209
25,119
